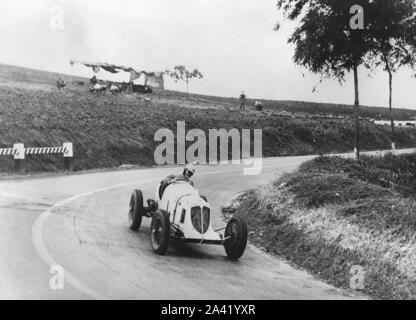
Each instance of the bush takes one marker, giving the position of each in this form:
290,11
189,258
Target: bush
395,172
315,189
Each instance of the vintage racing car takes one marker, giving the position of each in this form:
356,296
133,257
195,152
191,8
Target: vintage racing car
179,212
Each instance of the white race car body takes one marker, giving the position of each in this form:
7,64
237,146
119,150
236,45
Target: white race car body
190,215
179,212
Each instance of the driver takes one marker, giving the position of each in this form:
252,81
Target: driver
186,175
188,172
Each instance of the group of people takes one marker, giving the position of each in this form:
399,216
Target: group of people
100,86
258,105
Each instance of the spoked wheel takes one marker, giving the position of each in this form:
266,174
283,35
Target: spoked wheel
136,210
236,237
159,232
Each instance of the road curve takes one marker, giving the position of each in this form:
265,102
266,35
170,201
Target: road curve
79,222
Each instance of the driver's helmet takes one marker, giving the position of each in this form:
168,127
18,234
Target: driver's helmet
189,170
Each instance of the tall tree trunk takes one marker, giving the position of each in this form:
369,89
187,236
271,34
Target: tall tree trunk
393,144
357,116
389,71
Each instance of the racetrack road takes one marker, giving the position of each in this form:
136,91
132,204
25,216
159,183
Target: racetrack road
80,222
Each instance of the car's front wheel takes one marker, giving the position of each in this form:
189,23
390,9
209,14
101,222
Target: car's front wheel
159,232
236,237
136,210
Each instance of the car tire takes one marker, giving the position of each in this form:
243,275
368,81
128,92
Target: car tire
236,229
136,210
160,231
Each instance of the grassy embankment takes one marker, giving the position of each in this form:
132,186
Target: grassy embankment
334,213
108,130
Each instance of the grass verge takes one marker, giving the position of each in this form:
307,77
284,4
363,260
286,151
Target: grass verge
336,213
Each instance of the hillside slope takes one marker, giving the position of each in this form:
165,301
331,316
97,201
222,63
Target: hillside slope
110,130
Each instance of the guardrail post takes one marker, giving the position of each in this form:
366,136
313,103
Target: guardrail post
19,156
68,154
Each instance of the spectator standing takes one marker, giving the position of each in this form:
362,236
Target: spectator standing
60,83
243,100
93,80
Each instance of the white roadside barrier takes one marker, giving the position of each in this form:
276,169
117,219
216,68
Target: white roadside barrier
19,152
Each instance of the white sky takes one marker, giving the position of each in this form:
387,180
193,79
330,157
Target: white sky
231,42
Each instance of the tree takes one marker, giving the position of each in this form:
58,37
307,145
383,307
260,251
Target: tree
180,73
326,43
394,38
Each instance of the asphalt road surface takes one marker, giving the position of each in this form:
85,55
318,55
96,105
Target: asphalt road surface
79,222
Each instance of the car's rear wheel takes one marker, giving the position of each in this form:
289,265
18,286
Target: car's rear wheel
159,232
236,237
136,210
